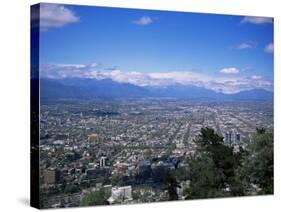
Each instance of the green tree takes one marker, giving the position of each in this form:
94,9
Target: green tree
206,180
96,198
171,184
257,167
214,168
71,188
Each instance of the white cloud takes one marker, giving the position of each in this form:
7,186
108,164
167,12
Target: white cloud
256,20
244,46
247,69
144,20
256,77
269,48
223,84
56,71
54,16
71,65
247,45
231,70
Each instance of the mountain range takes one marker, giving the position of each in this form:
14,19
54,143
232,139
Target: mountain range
107,88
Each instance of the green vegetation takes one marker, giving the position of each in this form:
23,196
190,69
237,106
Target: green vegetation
206,180
71,188
258,162
217,171
171,185
96,198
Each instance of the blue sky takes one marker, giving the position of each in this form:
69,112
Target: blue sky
129,43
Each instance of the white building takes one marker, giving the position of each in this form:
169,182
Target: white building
120,194
102,162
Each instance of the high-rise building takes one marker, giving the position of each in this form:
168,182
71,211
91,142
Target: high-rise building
238,137
226,138
51,176
230,137
102,161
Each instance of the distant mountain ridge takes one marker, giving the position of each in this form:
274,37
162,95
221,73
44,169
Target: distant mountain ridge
107,88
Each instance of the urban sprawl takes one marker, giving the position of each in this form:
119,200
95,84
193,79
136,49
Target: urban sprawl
126,147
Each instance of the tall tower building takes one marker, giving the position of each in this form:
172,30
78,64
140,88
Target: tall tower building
102,161
230,137
226,138
238,137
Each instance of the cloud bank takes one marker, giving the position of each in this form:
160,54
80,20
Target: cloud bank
256,20
223,83
55,16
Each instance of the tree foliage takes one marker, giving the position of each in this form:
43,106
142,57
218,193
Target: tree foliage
213,169
171,184
95,198
257,167
206,181
216,170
